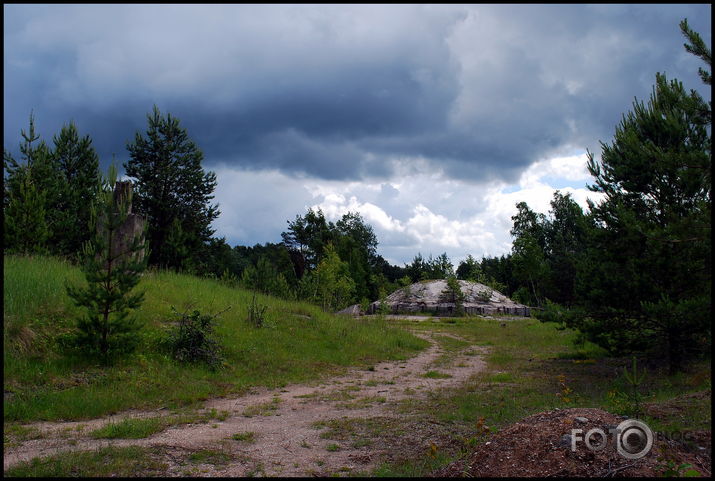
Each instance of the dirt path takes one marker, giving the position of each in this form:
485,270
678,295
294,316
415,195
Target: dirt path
285,439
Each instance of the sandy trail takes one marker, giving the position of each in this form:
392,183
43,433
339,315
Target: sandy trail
286,440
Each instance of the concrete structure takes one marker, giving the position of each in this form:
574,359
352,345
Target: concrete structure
434,297
132,227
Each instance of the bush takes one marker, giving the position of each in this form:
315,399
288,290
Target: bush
192,341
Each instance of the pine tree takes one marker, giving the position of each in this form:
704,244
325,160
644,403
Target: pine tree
25,221
112,266
35,179
78,165
171,184
647,284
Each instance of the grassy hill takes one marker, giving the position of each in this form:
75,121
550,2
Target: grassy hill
298,344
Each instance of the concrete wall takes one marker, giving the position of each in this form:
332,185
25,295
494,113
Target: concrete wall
447,309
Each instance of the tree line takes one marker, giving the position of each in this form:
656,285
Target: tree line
633,273
49,192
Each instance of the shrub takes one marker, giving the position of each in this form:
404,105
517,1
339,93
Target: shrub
192,341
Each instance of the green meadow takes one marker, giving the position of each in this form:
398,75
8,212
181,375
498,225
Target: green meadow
298,343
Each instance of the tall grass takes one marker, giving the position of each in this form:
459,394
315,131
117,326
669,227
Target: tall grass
34,286
300,343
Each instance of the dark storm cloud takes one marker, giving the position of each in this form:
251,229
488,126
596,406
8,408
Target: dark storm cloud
336,92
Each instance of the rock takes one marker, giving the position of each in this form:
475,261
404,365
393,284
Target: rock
581,420
354,310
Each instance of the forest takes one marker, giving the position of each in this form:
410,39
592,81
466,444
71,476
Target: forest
631,274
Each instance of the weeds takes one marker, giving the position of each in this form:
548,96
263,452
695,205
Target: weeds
210,456
264,409
256,313
247,436
131,428
566,395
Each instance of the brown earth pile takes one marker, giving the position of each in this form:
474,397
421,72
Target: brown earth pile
540,446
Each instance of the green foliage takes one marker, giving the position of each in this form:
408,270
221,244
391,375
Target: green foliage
652,243
30,190
453,293
78,167
256,313
547,250
330,284
246,436
111,275
431,268
565,232
49,193
130,428
673,469
265,277
553,312
631,398
698,48
308,236
173,192
470,270
25,220
523,296
193,340
530,265
383,308
229,278
499,272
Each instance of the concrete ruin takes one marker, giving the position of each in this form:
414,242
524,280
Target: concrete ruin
434,297
132,227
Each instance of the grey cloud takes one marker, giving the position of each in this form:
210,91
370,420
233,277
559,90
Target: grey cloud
337,92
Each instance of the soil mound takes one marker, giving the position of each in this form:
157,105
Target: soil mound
541,446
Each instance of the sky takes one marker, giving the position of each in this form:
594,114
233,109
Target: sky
431,121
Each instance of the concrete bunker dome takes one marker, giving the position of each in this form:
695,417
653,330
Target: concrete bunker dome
433,296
